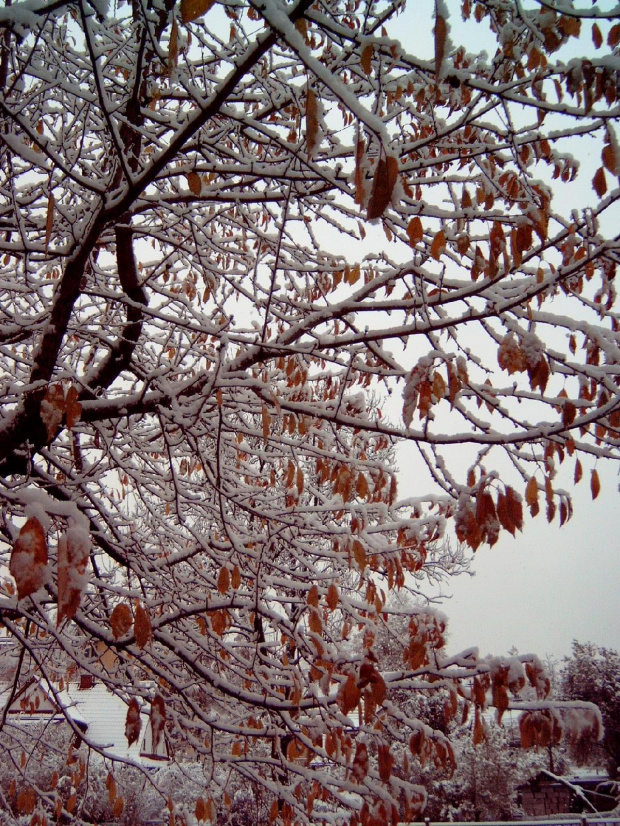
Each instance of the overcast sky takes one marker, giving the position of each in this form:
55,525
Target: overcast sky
547,586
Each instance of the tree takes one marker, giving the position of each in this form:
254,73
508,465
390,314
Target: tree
593,674
224,228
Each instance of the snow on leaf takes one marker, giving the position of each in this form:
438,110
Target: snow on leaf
132,722
73,550
53,409
28,564
157,720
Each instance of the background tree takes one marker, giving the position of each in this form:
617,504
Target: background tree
224,227
593,674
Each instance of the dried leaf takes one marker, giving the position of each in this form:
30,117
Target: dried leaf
595,484
531,492
223,580
348,695
599,182
313,597
359,769
439,244
440,32
73,408
235,579
132,722
49,220
359,554
312,121
386,762
157,721
415,232
194,182
52,409
142,627
121,620
28,565
332,597
384,181
366,59
266,422
192,9
173,46
578,471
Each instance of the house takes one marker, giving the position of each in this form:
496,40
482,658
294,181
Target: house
93,709
548,794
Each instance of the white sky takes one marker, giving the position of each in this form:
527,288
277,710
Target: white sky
549,585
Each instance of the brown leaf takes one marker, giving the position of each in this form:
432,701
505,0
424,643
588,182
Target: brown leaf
28,565
384,181
52,409
142,627
597,37
118,808
599,182
360,150
49,220
595,484
132,722
73,408
121,620
223,580
313,597
613,38
415,232
191,9
440,32
578,471
266,421
479,732
348,695
531,492
312,121
366,59
438,246
73,551
359,769
359,554
173,47
235,579
386,762
332,597
194,182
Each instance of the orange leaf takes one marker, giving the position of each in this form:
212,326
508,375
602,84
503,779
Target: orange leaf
266,422
383,185
235,579
117,809
348,695
359,554
132,722
121,620
28,565
531,492
142,627
595,484
415,231
438,245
